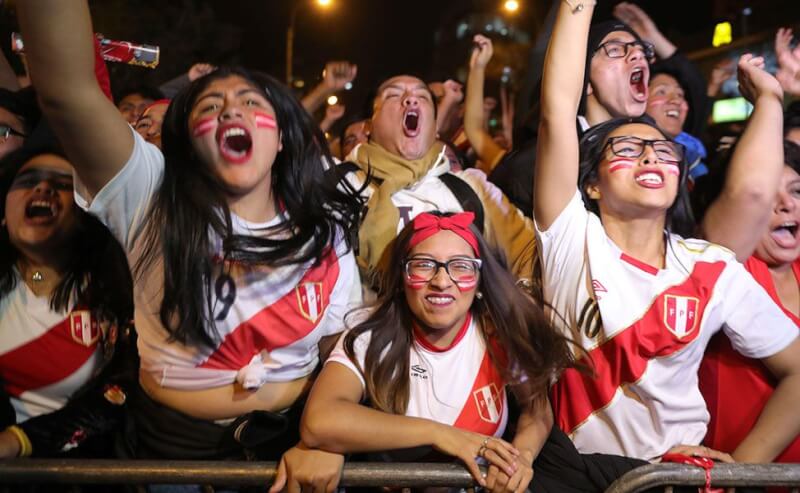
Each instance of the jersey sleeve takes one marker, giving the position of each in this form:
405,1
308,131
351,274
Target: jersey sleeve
123,203
346,294
756,326
339,355
561,247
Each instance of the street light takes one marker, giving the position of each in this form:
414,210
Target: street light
511,6
290,32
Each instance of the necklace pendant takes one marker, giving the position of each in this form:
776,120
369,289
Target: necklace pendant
37,277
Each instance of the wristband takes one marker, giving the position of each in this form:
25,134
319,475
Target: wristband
25,446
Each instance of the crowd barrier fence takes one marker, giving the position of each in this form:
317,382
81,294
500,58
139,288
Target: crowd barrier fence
373,474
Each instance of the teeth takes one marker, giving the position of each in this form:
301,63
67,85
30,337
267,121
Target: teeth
649,178
233,132
636,76
789,224
439,300
672,113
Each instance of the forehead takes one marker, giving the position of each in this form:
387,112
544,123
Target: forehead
620,36
48,162
664,80
637,130
443,244
134,98
402,82
355,127
235,83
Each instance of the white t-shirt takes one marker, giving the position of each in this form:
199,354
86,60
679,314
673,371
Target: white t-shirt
270,320
457,385
646,330
45,356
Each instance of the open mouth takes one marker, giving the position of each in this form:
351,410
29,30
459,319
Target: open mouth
650,179
439,299
638,86
785,235
673,113
411,123
41,210
235,143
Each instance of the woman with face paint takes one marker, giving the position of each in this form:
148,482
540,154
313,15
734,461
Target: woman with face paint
433,356
65,291
641,300
238,239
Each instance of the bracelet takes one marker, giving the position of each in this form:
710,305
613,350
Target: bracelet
25,445
579,6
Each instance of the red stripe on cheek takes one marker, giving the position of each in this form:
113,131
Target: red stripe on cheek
203,126
415,282
264,120
467,284
673,169
619,164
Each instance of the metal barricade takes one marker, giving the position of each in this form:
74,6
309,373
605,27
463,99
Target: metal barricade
139,472
722,476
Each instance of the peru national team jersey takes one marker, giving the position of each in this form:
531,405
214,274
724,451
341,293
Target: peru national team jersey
269,319
45,356
646,330
457,385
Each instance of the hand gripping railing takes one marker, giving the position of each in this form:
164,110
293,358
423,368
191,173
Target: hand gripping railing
722,476
97,471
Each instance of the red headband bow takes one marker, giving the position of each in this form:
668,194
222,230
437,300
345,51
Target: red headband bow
426,225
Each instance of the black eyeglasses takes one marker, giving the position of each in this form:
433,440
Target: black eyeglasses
620,49
460,270
6,131
632,147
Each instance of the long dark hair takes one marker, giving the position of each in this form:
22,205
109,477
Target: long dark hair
532,348
96,272
191,203
680,219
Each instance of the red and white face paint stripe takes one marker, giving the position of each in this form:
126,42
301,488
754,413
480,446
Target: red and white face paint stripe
203,126
467,283
415,282
619,164
264,120
673,169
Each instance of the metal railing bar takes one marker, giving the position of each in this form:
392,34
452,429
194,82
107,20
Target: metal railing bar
101,471
723,475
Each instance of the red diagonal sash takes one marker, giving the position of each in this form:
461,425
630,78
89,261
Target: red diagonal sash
623,359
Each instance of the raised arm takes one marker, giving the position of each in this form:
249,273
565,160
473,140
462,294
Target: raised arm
488,151
59,48
737,218
556,172
335,77
644,26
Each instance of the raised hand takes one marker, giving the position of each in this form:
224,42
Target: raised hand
637,19
310,470
338,74
788,62
200,69
467,446
754,81
721,72
453,91
481,52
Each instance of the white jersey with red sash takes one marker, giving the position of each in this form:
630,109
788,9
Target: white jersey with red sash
45,356
269,320
457,385
646,330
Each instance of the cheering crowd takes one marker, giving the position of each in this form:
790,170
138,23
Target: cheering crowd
200,271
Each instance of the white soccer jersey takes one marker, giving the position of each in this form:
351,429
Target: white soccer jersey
646,330
457,385
269,320
45,356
